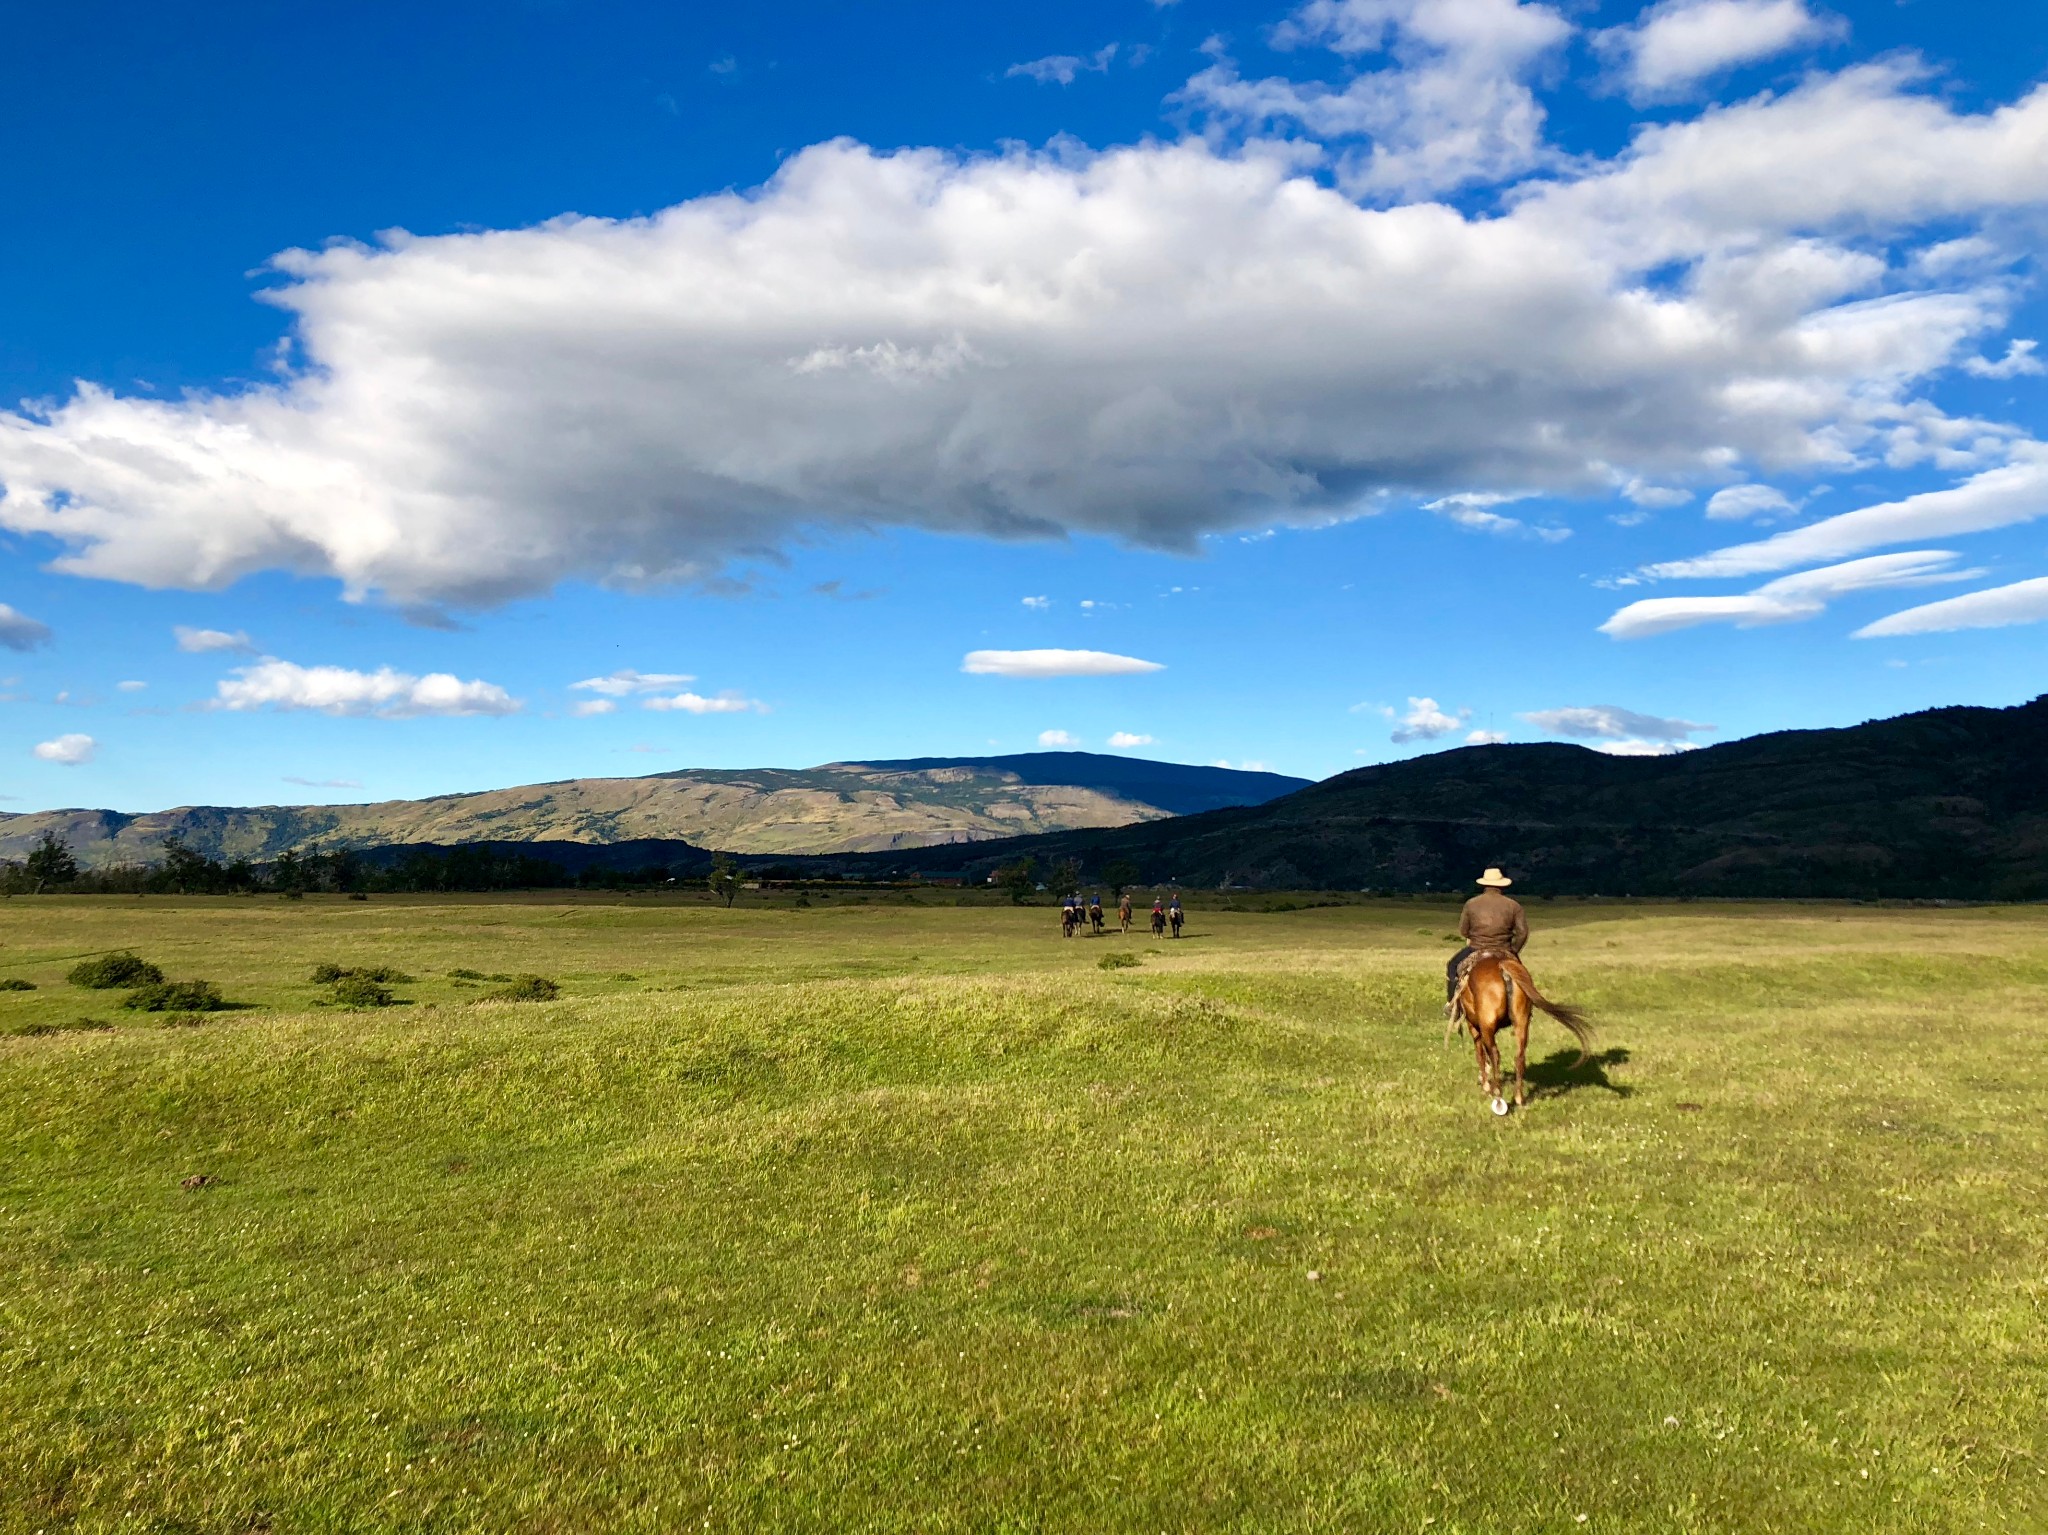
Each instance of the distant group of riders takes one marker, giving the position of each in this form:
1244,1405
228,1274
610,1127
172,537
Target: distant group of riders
1075,915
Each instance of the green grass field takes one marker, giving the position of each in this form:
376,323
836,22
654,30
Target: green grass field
885,1217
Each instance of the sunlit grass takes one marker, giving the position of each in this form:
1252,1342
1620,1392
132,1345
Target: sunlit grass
882,1217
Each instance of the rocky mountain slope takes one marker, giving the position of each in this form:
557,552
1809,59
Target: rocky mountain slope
841,807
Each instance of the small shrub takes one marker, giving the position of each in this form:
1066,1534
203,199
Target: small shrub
467,975
384,975
176,997
527,988
1118,961
16,983
356,989
357,895
106,972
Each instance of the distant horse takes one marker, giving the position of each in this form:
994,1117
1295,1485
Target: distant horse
1176,919
1497,992
1158,922
1095,919
1068,917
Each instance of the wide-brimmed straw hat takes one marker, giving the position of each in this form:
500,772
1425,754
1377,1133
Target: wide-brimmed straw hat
1495,879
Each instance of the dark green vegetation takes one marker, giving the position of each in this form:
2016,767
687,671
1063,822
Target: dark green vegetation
176,997
1947,804
878,1217
766,811
106,972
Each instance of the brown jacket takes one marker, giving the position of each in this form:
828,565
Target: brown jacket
1494,921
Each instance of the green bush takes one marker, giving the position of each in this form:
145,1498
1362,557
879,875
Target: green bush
527,988
384,975
1118,961
359,989
467,975
105,972
176,997
16,983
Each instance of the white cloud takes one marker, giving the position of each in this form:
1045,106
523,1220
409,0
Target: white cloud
1681,42
1486,738
68,750
1736,502
1061,68
693,703
1788,599
1247,766
130,687
2019,359
384,693
1058,738
2023,602
2013,493
1038,604
1469,509
626,681
1054,663
1157,343
20,632
1453,105
1605,722
1124,740
201,641
322,783
1637,748
587,708
1426,721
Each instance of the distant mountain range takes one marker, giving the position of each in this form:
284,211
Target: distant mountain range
839,808
1949,803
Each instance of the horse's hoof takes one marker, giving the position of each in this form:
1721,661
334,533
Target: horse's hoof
1500,1106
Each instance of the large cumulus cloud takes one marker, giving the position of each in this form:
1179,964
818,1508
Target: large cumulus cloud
1155,342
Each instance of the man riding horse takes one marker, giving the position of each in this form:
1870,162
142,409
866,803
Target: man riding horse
1487,986
1491,922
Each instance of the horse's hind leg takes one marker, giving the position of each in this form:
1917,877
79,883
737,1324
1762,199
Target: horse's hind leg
1521,1007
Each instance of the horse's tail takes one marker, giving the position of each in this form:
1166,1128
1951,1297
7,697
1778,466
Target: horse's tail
1570,1017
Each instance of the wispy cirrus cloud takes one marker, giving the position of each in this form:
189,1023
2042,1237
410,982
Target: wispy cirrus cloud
1789,599
1997,607
1062,68
322,783
205,641
626,681
1606,722
696,703
1054,663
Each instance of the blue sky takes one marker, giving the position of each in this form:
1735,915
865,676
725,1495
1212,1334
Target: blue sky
1381,372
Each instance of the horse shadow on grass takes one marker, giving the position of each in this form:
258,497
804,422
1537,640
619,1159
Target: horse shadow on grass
1560,1073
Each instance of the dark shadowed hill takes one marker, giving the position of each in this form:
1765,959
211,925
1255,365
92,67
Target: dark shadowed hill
1175,787
1950,803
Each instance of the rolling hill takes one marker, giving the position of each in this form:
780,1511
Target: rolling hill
1948,803
840,807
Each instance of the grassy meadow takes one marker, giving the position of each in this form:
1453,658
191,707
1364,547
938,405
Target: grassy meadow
878,1216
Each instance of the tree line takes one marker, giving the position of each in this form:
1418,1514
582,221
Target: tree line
52,867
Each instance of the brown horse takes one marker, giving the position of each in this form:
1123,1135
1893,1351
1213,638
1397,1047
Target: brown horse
1495,993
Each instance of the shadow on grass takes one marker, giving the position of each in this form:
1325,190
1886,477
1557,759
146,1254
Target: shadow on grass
1557,1074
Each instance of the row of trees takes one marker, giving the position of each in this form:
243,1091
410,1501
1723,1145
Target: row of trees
1022,878
182,870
